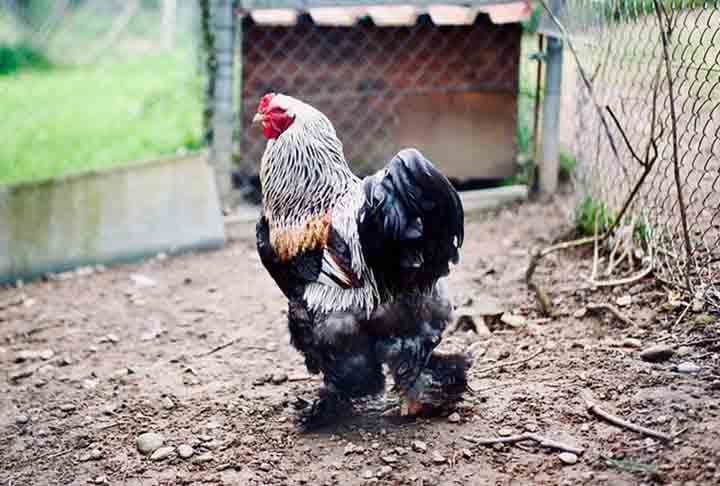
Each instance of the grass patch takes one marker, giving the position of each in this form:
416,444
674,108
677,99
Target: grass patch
68,120
14,58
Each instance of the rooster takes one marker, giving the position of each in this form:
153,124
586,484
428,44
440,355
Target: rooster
362,262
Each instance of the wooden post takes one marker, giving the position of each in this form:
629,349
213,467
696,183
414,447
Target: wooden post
221,150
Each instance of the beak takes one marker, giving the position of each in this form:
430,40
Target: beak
257,119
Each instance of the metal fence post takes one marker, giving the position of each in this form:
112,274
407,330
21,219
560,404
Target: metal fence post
221,150
550,154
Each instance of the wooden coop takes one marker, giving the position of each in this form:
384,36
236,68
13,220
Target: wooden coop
442,78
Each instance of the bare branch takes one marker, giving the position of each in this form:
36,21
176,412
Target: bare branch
514,439
511,363
612,310
613,419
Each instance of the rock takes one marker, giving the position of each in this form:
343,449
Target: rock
352,449
33,355
531,427
454,418
419,446
624,301
466,323
658,353
384,471
264,466
505,432
149,442
22,419
109,338
142,281
162,453
95,454
185,451
203,458
438,458
65,361
580,313
631,343
568,457
367,474
212,445
279,378
585,428
390,459
167,403
687,367
467,453
67,407
513,320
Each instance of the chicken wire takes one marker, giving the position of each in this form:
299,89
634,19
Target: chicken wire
619,47
361,75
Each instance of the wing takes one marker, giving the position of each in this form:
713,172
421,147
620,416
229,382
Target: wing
319,255
412,223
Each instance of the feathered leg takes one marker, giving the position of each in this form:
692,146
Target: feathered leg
346,357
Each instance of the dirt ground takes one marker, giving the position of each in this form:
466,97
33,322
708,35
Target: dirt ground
90,362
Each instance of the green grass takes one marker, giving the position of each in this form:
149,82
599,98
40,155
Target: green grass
67,120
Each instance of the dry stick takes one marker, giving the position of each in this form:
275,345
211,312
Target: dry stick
699,341
607,416
612,310
227,345
624,281
514,439
676,160
511,363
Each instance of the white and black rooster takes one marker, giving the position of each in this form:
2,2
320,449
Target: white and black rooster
362,263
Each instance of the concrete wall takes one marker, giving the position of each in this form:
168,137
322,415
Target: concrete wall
123,214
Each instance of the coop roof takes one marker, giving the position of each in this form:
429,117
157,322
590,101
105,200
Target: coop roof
384,12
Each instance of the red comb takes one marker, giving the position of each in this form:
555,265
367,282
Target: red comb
265,102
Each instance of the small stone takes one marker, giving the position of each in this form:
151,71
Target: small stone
505,432
419,446
656,354
531,427
384,471
687,367
203,458
703,320
279,378
454,418
109,338
162,453
264,466
513,320
67,407
142,281
438,458
350,449
185,451
631,343
149,442
662,419
467,453
22,419
585,428
624,301
212,445
568,457
65,361
390,459
167,403
580,313
367,474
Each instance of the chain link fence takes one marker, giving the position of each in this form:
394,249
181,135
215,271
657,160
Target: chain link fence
388,86
665,143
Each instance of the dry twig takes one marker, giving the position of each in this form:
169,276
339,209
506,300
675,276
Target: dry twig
612,310
615,420
623,281
227,345
511,363
514,439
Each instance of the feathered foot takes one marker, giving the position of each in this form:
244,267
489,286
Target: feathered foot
439,387
323,411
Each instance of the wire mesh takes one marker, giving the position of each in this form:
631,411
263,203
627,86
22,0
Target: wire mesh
363,77
619,46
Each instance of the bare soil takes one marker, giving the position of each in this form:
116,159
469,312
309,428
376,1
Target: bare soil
132,355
